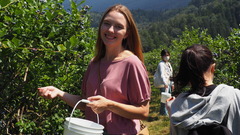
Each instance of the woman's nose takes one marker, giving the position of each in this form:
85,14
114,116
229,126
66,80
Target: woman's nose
111,28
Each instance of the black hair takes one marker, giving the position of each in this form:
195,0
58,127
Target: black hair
164,52
194,63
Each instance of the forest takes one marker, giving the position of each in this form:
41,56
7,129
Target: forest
158,28
217,16
42,44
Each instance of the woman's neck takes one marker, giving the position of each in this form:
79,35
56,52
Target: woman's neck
116,54
209,83
113,53
208,79
209,75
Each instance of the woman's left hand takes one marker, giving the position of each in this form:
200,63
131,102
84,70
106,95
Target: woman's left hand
98,103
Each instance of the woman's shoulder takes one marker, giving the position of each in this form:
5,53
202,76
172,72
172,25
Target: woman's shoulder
128,56
162,63
133,60
226,91
224,87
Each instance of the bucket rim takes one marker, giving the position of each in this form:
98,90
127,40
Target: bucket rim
73,121
82,130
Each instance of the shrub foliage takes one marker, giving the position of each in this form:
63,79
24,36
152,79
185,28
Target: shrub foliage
225,51
41,44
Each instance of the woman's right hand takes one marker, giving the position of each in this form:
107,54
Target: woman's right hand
49,92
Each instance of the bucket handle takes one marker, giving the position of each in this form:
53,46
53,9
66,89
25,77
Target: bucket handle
84,101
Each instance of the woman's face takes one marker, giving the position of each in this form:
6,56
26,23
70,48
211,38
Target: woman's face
166,57
113,29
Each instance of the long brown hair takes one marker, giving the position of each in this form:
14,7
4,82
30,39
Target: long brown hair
131,43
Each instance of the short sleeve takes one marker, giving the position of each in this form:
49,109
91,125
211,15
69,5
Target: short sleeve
139,85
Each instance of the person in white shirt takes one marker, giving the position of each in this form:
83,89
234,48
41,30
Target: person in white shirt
166,72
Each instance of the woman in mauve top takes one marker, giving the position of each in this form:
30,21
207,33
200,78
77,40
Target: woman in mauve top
116,80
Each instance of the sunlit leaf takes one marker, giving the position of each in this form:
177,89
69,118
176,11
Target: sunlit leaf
61,47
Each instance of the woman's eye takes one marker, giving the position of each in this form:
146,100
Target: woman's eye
119,27
106,23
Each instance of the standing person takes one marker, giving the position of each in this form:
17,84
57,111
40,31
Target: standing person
165,71
205,103
116,80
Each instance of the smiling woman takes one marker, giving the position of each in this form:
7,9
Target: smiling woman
120,93
124,23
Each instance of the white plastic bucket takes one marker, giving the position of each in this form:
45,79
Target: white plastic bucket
79,131
165,96
78,126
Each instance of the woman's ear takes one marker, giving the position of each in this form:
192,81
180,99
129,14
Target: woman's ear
213,67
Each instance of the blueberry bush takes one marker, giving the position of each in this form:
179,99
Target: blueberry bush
41,44
225,50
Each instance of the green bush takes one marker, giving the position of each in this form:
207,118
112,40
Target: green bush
225,50
40,44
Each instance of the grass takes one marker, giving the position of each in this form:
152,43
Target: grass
157,124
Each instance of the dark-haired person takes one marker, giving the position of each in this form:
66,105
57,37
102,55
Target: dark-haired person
165,71
205,103
116,80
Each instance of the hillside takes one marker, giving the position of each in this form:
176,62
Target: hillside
159,5
160,27
219,17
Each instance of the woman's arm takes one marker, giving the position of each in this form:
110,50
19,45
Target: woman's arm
99,104
51,92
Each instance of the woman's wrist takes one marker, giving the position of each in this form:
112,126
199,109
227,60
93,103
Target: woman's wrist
110,105
60,93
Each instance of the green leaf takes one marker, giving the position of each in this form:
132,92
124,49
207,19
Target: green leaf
20,56
51,34
18,11
73,40
2,33
50,44
16,41
61,47
7,18
25,50
10,45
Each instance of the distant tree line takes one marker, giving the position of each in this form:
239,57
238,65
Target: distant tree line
159,28
219,17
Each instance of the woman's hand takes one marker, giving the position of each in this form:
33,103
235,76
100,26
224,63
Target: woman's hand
168,104
170,99
49,92
98,103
